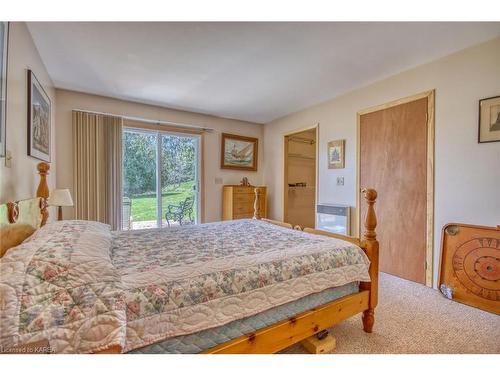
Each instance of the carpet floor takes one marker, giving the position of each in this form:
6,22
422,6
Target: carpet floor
411,318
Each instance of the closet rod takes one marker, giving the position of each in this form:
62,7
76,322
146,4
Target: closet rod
149,121
302,140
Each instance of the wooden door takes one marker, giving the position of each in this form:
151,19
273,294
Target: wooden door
393,160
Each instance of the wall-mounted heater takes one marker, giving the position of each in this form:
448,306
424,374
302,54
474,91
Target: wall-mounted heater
334,218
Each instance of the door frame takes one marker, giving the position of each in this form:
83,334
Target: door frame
430,95
285,168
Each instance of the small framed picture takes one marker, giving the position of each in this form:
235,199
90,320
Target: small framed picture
489,120
38,120
238,152
336,157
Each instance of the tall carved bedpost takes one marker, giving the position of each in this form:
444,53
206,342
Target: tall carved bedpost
256,204
43,190
370,244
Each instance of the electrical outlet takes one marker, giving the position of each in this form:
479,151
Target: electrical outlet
8,159
340,181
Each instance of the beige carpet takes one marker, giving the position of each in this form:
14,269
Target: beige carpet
412,318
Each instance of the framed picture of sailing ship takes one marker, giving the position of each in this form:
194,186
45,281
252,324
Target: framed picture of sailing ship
238,152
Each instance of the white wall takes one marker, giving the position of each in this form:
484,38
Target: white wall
69,100
467,174
21,180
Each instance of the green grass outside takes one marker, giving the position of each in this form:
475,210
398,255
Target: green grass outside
144,208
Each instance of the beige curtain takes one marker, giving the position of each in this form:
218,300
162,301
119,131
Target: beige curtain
97,163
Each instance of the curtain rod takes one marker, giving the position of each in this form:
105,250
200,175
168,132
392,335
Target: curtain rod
149,121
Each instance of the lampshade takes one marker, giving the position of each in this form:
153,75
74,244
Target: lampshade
60,197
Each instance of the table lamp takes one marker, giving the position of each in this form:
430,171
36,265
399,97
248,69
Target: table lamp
60,198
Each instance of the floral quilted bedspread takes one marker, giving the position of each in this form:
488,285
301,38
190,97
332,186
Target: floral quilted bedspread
85,288
61,286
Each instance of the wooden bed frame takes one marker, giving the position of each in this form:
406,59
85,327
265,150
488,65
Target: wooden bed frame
287,332
42,192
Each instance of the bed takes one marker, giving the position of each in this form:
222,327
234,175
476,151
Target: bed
244,286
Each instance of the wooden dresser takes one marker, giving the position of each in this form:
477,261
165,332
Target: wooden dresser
237,202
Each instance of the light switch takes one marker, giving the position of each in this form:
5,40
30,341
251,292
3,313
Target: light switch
340,181
218,180
8,159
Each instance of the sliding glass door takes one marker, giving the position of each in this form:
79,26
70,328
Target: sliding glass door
179,179
160,179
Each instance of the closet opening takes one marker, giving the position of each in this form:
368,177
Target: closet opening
300,177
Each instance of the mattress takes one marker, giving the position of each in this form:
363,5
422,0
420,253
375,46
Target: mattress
200,341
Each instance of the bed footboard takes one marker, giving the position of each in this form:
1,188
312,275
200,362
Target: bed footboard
370,246
368,242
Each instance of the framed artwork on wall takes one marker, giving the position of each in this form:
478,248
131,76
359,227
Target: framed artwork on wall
238,152
489,120
336,155
39,107
4,42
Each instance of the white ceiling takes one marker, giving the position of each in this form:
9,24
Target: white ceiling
249,71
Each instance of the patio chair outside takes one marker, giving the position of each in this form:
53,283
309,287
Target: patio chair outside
180,212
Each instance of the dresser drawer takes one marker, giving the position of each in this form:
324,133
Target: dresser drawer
247,190
249,209
244,199
243,216
243,190
243,209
